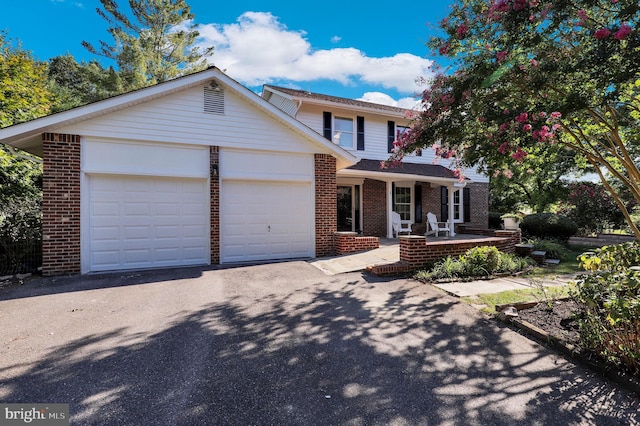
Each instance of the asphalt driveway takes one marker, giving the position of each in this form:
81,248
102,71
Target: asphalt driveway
282,344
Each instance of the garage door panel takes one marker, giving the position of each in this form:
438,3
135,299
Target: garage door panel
145,222
265,220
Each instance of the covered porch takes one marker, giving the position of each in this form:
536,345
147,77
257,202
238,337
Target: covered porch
394,256
367,194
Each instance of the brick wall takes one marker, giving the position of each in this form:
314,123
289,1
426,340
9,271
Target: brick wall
60,204
326,207
215,206
350,242
431,200
416,252
479,204
374,208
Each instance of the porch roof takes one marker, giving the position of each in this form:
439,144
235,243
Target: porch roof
426,172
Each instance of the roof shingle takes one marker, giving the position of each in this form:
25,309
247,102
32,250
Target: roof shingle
336,99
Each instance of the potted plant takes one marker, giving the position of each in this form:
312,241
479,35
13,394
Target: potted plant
511,220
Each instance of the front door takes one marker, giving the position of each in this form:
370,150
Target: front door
345,208
349,208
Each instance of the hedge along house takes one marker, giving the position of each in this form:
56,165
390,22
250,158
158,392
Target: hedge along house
367,193
192,171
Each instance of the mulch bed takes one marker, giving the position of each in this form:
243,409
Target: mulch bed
557,320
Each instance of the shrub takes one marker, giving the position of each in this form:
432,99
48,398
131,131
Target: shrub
610,295
553,248
448,268
592,208
476,262
495,220
481,261
548,225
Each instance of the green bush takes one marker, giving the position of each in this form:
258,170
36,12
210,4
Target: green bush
548,226
495,220
481,261
476,262
553,248
610,295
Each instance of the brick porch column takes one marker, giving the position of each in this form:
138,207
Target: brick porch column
60,204
326,204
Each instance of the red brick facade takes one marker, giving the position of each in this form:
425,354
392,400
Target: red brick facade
374,208
214,221
351,242
61,204
326,211
417,253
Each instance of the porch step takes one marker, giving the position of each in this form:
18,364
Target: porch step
538,256
389,269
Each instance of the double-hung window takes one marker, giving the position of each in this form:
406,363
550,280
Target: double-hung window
343,132
402,202
457,206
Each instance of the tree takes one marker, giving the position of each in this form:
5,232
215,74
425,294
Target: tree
592,208
537,72
24,91
155,46
77,84
537,184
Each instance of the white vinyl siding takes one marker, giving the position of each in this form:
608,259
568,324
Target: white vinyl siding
376,136
180,118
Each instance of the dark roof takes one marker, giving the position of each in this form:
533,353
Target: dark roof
336,99
429,170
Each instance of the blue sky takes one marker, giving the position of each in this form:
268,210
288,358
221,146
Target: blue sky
369,50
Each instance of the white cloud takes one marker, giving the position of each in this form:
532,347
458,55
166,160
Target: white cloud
259,49
384,99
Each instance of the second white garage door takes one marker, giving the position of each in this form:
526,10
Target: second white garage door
147,222
265,220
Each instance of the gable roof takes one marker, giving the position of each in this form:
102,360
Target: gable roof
27,136
317,98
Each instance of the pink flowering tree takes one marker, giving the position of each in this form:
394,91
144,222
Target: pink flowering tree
531,73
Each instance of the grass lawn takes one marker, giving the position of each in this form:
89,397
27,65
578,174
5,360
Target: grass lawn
517,296
568,265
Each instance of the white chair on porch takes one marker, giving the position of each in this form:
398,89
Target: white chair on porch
400,225
435,227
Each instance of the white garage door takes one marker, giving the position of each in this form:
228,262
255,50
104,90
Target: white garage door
265,220
147,222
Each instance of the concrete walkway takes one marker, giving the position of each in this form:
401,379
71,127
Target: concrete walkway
389,252
497,285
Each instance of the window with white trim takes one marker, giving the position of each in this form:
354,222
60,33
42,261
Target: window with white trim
343,132
457,206
402,202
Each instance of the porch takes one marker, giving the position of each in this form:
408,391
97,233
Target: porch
396,256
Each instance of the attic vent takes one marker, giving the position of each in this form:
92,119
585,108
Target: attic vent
214,100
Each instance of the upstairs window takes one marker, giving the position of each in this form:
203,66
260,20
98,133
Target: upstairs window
343,132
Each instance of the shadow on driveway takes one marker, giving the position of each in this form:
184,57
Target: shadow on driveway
271,345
